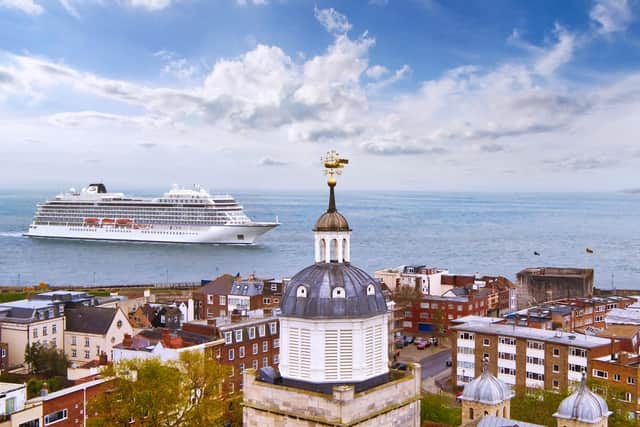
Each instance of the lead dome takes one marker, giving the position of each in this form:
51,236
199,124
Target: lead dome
487,389
584,406
333,290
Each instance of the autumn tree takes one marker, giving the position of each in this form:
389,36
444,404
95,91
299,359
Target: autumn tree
182,393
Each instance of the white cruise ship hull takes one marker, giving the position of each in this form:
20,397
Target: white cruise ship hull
244,234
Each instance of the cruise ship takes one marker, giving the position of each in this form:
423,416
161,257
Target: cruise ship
178,216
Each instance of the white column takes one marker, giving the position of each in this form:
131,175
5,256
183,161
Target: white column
340,250
327,250
347,250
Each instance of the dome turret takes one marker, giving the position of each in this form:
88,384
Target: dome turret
487,389
583,406
332,220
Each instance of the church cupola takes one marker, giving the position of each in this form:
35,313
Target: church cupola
332,232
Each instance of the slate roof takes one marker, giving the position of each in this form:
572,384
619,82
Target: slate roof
320,279
492,421
90,320
247,288
219,286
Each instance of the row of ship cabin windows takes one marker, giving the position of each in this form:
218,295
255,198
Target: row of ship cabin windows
255,349
337,292
251,332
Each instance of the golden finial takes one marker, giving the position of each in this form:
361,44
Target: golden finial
333,165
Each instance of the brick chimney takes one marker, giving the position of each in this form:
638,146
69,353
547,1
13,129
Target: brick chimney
171,339
127,341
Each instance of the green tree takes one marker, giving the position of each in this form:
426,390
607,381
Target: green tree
614,396
46,360
545,403
439,322
187,392
439,408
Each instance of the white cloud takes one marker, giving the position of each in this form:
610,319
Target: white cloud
376,71
253,2
611,16
70,8
558,55
29,7
333,21
151,5
399,74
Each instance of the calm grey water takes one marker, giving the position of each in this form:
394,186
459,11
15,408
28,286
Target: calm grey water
466,233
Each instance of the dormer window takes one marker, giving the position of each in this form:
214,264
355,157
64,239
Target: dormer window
301,292
338,292
371,290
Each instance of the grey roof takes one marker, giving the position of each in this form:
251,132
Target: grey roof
573,339
90,320
493,421
487,389
584,406
623,316
247,288
319,280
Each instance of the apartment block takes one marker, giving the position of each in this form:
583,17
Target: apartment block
249,343
619,374
427,279
23,323
524,357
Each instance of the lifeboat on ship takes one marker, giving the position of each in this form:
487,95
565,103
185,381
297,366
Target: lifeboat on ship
124,222
108,221
91,221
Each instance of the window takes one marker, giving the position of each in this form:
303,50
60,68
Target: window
338,292
535,345
535,360
556,369
273,328
209,299
222,299
231,354
232,372
238,333
424,305
301,292
371,290
241,368
506,371
507,340
631,380
265,346
232,388
254,364
266,300
119,324
556,384
506,356
86,342
44,331
262,330
276,342
87,354
54,328
265,362
97,350
254,348
9,405
35,332
556,352
241,351
579,352
276,359
252,332
74,353
535,376
55,416
600,374
407,315
485,342
627,396
616,377
466,336
32,423
459,307
576,368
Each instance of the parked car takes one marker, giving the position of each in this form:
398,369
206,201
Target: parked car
423,345
399,366
419,340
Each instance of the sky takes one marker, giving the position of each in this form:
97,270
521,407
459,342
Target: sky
426,95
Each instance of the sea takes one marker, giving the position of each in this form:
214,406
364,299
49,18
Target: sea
466,233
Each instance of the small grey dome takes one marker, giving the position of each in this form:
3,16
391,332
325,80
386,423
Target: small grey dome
332,290
487,389
584,406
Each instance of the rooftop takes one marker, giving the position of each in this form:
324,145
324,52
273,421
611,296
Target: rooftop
90,320
573,339
623,316
9,387
493,421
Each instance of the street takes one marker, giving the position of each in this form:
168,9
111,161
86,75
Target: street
435,364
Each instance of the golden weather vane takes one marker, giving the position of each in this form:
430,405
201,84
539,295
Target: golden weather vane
333,165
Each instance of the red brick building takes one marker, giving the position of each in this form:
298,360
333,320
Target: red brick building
210,300
69,407
249,343
433,312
